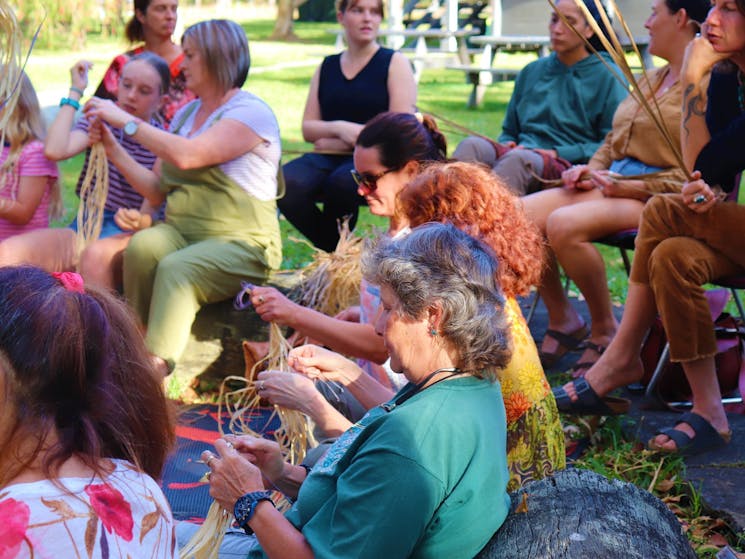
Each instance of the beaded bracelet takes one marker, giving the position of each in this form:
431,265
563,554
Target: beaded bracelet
72,102
77,90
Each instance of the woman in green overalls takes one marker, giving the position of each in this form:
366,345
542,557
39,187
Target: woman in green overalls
217,169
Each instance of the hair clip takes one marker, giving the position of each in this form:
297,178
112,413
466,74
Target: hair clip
72,281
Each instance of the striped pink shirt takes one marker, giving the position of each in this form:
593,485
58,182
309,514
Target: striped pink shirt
30,163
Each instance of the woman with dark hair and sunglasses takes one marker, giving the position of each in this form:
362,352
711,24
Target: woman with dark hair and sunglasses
389,153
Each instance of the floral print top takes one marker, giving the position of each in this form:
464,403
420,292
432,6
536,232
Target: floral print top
123,515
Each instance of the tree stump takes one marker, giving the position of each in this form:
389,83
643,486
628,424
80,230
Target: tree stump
578,514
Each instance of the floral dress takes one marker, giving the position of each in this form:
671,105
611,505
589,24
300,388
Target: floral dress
535,439
123,515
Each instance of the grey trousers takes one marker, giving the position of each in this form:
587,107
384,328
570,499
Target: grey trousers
513,167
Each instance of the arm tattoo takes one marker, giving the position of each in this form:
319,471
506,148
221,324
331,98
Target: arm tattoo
695,106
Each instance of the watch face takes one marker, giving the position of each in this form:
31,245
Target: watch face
130,128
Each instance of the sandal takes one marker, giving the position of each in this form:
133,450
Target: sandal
707,438
579,369
567,342
588,402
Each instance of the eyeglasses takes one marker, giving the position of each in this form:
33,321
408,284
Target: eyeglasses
369,181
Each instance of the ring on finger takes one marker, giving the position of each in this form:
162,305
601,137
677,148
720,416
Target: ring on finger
261,385
208,475
700,199
261,299
209,460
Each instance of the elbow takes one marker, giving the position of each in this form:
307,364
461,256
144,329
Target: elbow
53,153
378,355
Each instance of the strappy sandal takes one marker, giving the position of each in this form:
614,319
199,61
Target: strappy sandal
706,438
579,369
567,342
588,402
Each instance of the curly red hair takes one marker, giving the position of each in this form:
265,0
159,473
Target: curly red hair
473,199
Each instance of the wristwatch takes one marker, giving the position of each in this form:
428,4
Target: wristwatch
130,129
245,506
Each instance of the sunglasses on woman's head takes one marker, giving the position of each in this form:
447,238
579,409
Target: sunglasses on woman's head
369,181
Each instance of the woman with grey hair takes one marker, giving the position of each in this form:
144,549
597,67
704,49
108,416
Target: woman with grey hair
424,474
217,169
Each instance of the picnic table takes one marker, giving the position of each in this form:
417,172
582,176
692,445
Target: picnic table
453,45
484,73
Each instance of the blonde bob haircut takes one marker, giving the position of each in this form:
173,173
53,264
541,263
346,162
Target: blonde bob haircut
224,49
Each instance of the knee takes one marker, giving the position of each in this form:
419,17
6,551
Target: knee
91,259
475,149
667,260
560,229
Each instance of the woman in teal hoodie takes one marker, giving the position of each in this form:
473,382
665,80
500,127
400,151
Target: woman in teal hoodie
560,111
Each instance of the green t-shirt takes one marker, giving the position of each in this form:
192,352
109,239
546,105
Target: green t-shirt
426,479
566,108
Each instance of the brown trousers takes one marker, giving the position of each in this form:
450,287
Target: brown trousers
677,251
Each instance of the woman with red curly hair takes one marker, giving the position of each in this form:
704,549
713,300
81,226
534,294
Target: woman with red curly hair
481,204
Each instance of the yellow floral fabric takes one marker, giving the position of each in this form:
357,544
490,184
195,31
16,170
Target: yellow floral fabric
535,439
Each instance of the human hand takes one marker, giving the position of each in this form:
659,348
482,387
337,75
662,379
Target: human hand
348,131
130,219
697,195
79,74
314,362
332,144
288,390
106,110
350,314
577,176
272,306
99,132
263,453
232,473
700,56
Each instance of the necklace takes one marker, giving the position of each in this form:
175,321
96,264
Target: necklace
741,91
416,388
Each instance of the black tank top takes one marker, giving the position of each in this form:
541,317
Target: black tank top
359,99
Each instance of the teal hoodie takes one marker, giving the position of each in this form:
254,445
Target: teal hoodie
566,108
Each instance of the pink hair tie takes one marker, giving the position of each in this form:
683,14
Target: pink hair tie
71,281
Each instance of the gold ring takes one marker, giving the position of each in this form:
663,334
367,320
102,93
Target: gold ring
208,475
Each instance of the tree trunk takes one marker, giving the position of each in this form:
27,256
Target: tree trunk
578,514
283,25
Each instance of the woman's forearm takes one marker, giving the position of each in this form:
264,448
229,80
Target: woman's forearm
277,536
142,179
327,418
349,338
694,133
314,130
368,391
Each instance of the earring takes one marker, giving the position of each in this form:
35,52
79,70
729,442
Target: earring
433,332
